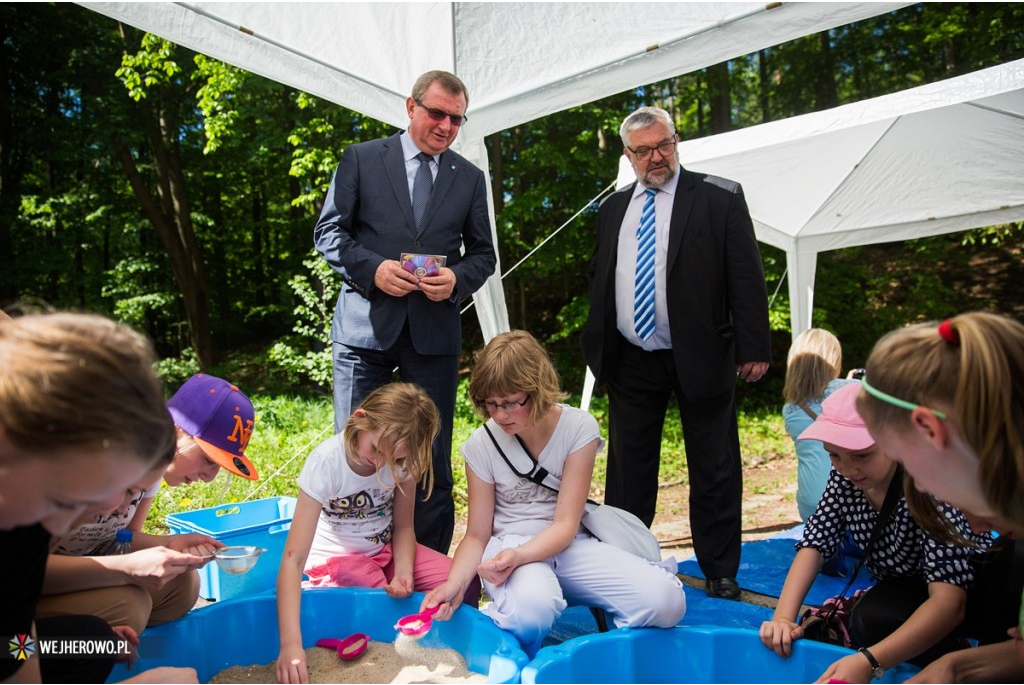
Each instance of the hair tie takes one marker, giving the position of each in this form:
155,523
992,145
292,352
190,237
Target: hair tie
948,333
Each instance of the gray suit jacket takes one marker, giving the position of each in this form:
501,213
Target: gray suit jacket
367,218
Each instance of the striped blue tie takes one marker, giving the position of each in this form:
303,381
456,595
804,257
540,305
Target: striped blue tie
643,304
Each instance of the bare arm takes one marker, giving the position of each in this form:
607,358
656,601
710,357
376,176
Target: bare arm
403,543
479,527
138,521
572,495
148,568
778,634
291,660
996,663
937,615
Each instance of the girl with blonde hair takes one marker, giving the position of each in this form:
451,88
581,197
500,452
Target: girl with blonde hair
947,401
353,522
812,374
529,470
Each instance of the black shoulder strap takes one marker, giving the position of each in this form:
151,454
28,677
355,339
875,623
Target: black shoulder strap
536,475
892,496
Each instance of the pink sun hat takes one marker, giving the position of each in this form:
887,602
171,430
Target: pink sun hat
839,423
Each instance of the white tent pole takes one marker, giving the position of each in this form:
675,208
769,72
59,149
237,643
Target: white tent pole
801,267
588,390
489,300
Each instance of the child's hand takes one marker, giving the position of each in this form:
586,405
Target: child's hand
498,568
401,586
195,544
153,567
291,665
448,596
778,635
850,669
128,634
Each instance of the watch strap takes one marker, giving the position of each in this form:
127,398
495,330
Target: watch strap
876,668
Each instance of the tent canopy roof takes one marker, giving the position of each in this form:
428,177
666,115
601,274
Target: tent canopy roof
520,60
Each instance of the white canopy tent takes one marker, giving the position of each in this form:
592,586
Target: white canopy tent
944,157
520,60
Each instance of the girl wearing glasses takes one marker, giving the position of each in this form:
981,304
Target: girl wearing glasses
523,535
948,400
353,522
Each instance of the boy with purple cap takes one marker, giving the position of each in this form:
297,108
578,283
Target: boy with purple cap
157,581
914,610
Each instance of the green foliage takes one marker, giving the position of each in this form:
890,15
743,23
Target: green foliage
152,66
174,371
220,82
306,355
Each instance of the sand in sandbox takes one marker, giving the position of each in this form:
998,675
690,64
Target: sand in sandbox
403,661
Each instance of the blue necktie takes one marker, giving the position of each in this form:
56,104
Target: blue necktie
422,186
643,304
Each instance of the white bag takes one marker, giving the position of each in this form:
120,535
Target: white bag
622,529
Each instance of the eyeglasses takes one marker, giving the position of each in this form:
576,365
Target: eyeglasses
440,114
665,149
895,401
504,406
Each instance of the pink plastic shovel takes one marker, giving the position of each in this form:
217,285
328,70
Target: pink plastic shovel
417,625
349,648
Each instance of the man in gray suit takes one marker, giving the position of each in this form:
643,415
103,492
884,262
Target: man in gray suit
408,194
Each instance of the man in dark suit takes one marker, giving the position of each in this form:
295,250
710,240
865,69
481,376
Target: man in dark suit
678,305
408,194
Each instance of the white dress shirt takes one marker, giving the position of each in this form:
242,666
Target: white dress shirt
625,265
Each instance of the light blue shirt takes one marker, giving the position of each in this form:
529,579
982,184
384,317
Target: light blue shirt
412,165
812,462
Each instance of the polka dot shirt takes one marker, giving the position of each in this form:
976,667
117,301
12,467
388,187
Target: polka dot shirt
903,548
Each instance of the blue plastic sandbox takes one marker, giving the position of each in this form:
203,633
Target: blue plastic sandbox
243,632
696,654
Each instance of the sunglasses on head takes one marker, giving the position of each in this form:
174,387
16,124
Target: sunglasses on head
440,114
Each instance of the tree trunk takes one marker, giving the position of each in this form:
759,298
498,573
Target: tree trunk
170,218
720,97
825,96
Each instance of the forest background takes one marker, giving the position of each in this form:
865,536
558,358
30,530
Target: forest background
176,193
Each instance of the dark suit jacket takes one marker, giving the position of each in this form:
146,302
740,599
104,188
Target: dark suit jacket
717,299
367,218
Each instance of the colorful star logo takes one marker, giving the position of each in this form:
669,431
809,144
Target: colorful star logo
22,647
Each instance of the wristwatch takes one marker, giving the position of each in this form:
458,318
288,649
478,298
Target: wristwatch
876,668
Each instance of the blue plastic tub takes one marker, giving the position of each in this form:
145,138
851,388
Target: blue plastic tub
260,523
243,632
698,654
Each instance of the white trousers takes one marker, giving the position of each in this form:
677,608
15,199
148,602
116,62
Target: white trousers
632,591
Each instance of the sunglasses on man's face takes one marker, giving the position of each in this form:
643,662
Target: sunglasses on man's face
440,114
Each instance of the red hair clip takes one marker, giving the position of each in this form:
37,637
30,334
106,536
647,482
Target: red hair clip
948,333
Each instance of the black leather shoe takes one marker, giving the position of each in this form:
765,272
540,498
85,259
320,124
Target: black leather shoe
723,588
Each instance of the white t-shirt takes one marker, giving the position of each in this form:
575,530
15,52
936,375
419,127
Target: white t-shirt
520,506
96,538
355,511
